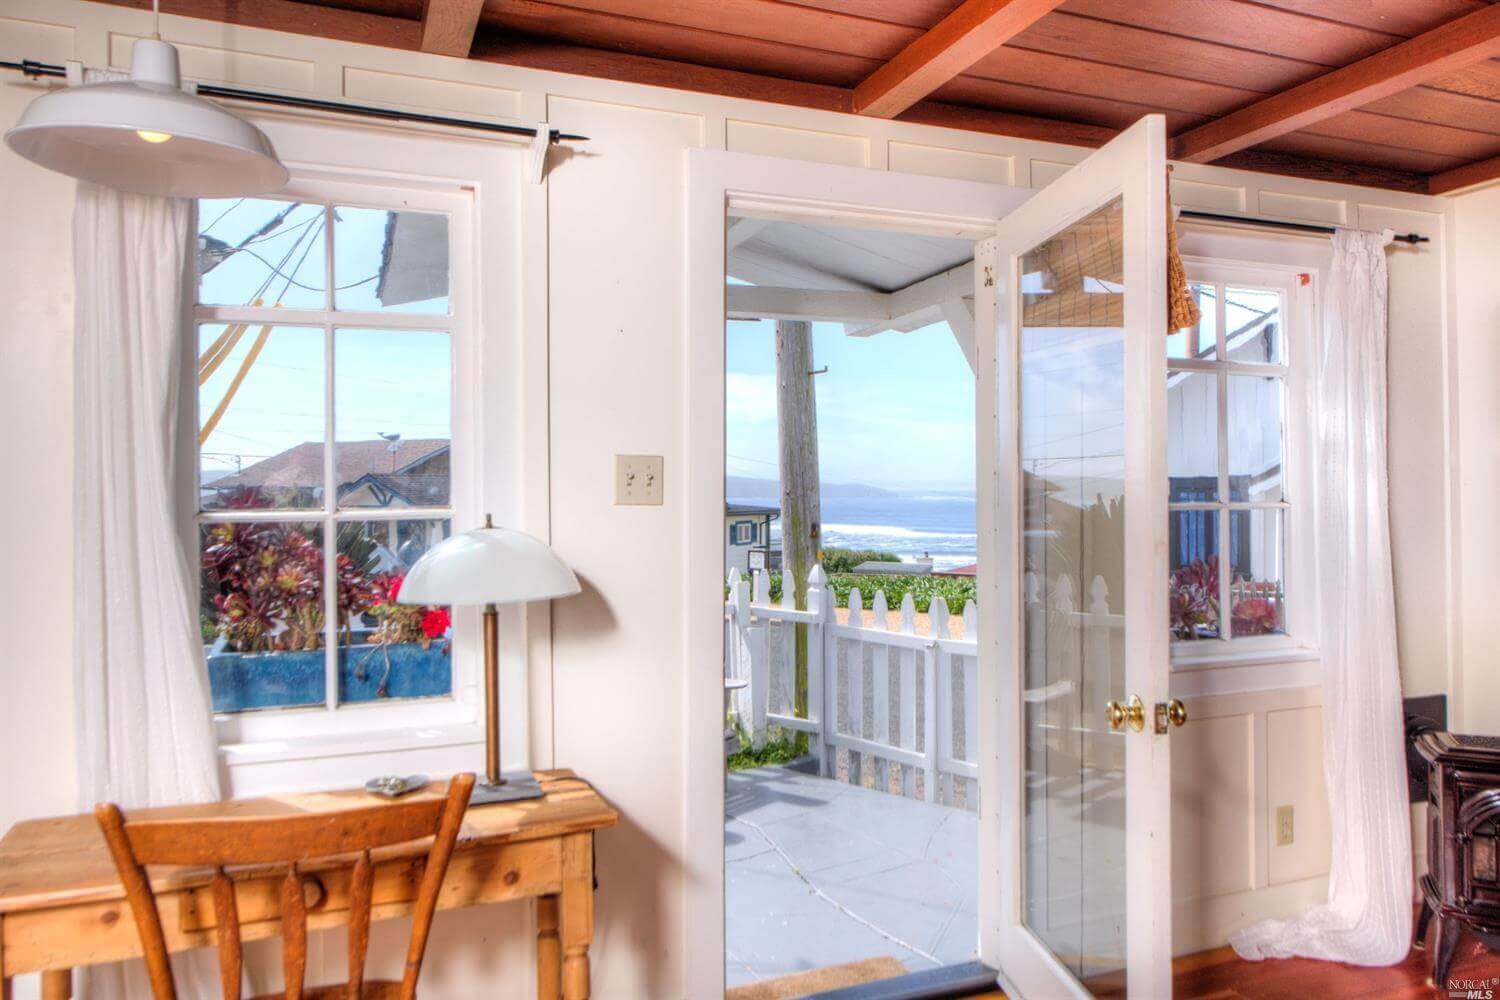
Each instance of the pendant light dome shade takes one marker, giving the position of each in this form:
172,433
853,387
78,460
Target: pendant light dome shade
147,136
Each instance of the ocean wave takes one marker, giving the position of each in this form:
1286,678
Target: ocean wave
895,531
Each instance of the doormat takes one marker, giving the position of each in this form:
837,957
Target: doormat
832,977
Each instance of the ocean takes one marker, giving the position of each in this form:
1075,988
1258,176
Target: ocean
939,523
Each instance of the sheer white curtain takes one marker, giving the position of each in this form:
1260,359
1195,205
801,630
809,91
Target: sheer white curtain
1367,918
145,733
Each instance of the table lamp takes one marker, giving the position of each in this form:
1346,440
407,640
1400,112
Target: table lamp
490,566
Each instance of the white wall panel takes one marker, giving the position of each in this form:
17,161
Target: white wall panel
966,164
797,143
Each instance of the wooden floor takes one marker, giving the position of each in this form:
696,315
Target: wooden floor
1221,975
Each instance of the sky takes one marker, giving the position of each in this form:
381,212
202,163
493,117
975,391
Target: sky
894,410
385,382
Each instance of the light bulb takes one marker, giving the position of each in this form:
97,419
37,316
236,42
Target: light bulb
153,137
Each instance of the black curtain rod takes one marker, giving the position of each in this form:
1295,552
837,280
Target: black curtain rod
32,68
1298,226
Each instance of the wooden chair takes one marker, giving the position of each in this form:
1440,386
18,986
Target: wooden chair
291,840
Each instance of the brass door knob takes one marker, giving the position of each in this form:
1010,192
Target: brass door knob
1176,712
1133,712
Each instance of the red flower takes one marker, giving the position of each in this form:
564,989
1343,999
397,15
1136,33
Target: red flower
394,588
435,622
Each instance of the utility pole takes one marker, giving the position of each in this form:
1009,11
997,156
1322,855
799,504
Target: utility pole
801,519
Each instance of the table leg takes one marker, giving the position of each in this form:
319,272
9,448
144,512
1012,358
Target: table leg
548,950
4,988
57,984
577,923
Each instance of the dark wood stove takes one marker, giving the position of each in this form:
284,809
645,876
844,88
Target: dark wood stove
1462,884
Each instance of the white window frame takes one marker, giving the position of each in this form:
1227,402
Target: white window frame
1298,645
332,728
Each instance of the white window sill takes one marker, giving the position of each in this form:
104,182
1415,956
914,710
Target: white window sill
318,762
1187,656
323,746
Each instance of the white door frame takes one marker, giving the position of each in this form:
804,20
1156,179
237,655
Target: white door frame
1133,165
765,187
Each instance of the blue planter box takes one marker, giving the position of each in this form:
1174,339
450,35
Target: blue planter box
244,681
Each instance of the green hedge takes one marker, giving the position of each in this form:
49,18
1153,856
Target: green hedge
844,560
957,591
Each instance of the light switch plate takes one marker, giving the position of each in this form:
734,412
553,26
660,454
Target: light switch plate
638,480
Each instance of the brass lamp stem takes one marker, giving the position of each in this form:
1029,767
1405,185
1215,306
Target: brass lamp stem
492,696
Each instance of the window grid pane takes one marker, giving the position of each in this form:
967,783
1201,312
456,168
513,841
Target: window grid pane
1227,534
296,623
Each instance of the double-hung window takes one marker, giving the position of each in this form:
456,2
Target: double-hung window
330,455
1233,493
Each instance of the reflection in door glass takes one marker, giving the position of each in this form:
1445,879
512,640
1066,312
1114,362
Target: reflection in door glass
1072,427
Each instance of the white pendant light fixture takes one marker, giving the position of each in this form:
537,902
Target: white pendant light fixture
147,135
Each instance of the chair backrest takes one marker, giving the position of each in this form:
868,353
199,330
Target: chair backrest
291,840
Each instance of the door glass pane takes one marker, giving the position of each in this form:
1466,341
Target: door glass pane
1072,422
1255,433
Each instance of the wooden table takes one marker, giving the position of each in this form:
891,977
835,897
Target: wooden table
61,904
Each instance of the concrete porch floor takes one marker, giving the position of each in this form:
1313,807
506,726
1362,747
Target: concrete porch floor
818,873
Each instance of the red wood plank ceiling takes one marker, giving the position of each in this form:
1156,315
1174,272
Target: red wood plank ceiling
1401,94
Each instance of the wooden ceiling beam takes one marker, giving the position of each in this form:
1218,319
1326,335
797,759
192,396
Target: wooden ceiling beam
1465,176
971,32
448,26
1443,50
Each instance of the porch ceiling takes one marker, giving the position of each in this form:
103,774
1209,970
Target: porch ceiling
1387,93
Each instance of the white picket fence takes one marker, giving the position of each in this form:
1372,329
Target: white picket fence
886,699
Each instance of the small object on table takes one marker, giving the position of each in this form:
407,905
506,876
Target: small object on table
490,566
1462,884
393,786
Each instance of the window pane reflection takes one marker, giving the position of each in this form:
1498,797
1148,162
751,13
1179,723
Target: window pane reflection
1255,436
260,416
1253,320
262,614
1256,597
257,251
1193,436
390,261
388,649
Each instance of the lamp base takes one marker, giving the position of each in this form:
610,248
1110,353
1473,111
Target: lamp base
518,785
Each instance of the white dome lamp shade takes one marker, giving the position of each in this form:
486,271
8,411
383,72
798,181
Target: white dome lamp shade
488,565
491,566
147,136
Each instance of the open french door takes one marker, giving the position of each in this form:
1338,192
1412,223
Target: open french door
1071,315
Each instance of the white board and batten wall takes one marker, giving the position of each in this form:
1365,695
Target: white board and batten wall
600,342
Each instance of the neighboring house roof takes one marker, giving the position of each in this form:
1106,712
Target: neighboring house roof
302,465
970,570
750,510
415,489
